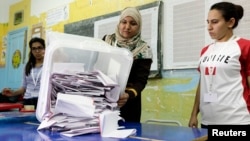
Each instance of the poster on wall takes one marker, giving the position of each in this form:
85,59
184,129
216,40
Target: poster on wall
57,15
16,59
3,52
3,58
37,30
18,18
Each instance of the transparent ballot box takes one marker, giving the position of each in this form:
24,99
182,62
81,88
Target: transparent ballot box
68,54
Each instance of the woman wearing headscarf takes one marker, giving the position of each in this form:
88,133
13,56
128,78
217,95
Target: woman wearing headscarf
128,35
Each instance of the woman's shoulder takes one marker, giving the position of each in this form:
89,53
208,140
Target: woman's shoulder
143,43
204,49
142,51
244,40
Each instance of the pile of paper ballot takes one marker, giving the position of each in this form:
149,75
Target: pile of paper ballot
85,102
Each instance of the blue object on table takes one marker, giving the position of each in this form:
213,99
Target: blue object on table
7,117
23,127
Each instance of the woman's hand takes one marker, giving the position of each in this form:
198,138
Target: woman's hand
7,92
193,122
123,100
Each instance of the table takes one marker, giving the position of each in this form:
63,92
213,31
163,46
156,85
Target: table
22,127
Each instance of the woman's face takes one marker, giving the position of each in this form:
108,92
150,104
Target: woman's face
218,28
128,27
38,50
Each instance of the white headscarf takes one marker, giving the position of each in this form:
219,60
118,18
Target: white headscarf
135,14
136,45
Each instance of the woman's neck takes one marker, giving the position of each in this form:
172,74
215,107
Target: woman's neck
226,38
39,62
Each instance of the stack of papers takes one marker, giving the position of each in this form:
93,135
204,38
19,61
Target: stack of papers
81,103
87,84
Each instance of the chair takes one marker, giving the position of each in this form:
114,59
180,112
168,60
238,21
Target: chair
160,121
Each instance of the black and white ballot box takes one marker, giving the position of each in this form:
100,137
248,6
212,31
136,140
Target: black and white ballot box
77,72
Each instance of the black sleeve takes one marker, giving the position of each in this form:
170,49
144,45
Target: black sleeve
139,75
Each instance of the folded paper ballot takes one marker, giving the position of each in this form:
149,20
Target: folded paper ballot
109,125
75,105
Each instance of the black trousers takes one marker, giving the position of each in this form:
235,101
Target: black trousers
204,126
31,101
12,99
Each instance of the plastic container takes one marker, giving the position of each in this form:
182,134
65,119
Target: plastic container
93,53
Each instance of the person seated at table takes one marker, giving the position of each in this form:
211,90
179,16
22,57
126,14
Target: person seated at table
32,74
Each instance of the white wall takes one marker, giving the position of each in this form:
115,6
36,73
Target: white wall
41,6
4,9
37,7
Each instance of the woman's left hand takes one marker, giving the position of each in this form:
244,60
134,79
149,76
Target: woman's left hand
123,100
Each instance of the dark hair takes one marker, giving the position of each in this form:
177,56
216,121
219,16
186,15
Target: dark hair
32,60
229,10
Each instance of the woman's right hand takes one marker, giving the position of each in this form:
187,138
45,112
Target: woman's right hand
7,92
123,100
193,122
